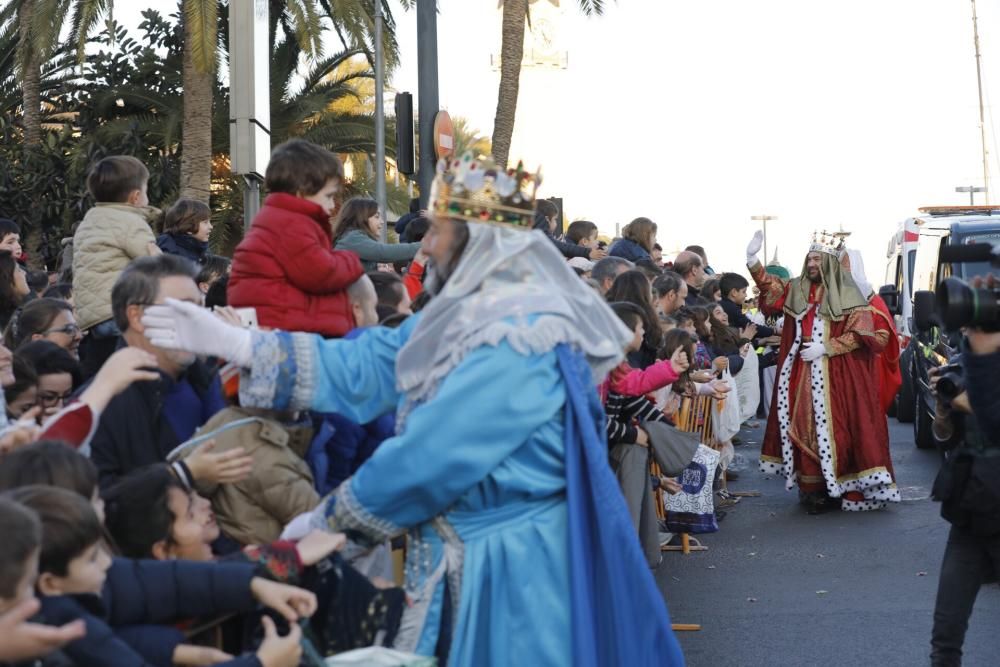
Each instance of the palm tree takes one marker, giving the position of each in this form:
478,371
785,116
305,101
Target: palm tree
30,21
200,20
515,15
467,138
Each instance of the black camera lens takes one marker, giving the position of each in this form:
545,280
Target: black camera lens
950,385
960,305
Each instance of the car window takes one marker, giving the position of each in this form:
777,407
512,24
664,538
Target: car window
973,269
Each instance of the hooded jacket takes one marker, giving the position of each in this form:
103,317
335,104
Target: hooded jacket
287,269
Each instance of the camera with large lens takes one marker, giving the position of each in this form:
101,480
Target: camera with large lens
959,304
950,381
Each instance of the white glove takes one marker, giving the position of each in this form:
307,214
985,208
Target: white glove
180,325
812,351
754,247
298,527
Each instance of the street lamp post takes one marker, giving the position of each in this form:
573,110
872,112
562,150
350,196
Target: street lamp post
427,94
249,99
972,190
380,197
763,219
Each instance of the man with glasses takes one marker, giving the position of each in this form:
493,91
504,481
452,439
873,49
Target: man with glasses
145,422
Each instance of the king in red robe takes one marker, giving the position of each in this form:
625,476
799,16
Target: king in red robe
827,431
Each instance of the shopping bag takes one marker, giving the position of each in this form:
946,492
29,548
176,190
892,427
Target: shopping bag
748,386
726,418
693,509
671,449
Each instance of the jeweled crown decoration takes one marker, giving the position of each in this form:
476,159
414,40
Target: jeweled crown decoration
831,244
477,190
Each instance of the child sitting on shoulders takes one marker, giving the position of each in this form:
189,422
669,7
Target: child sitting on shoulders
113,233
285,267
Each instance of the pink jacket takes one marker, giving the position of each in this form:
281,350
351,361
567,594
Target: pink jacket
629,381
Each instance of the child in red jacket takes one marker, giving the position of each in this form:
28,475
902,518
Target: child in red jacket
286,267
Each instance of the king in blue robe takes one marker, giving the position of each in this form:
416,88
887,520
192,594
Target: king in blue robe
520,548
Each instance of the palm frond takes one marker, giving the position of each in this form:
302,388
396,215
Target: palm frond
47,22
86,15
201,18
307,26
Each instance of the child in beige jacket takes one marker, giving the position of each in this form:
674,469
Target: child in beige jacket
113,233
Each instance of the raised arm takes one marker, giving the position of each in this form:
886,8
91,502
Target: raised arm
772,289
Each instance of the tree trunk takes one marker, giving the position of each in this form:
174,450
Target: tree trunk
196,148
31,96
511,53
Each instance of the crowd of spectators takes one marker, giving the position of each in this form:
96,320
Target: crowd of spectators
143,508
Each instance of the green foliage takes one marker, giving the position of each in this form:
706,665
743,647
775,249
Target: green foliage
126,98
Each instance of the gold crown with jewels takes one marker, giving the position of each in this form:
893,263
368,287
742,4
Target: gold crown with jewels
830,243
477,190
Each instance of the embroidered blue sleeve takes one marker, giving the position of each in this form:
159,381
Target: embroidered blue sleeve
296,371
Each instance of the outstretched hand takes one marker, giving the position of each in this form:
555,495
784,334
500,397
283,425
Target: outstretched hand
290,601
180,325
679,361
228,467
21,640
756,243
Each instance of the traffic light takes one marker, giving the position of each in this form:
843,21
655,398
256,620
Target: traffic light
404,134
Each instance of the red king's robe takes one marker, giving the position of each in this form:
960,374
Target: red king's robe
890,378
845,451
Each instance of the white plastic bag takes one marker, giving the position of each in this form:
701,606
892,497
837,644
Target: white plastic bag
378,656
726,422
748,386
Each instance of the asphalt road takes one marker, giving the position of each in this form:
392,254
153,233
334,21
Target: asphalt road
779,587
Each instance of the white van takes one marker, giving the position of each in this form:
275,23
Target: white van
913,265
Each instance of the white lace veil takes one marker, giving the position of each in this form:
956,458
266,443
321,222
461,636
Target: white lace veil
509,285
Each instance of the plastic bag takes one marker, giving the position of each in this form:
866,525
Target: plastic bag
693,509
748,386
726,421
378,656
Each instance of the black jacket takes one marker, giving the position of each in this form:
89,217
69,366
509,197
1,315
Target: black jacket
982,380
183,245
739,320
134,432
127,624
568,250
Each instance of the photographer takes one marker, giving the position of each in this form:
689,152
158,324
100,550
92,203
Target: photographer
968,488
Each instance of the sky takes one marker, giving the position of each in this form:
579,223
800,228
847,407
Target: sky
699,115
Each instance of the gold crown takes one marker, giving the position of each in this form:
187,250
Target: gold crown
478,191
831,244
